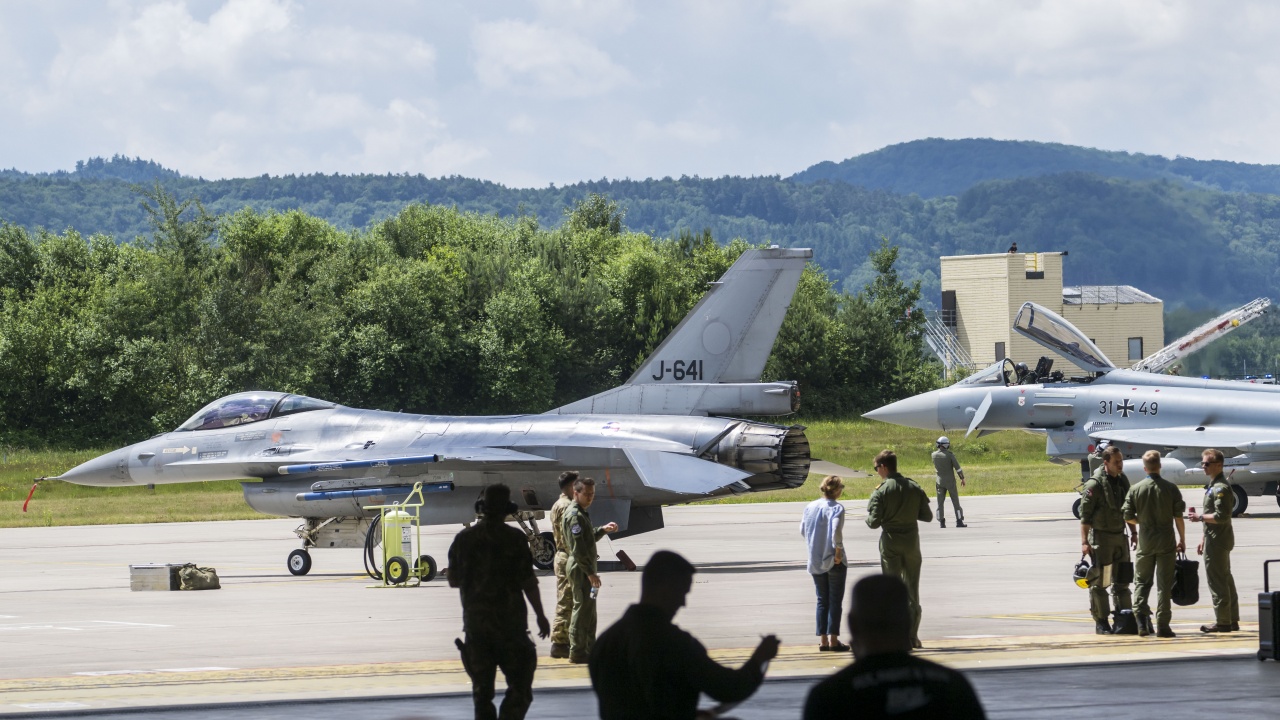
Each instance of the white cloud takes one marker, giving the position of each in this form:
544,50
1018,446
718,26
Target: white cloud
534,59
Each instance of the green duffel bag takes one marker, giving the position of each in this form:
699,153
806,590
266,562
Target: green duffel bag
191,577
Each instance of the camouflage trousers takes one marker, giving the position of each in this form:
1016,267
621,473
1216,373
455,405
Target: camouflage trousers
517,657
582,625
564,602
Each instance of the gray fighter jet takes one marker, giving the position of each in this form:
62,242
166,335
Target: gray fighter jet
1135,411
666,436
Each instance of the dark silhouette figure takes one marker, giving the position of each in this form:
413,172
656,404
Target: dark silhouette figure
645,667
886,680
491,564
1013,248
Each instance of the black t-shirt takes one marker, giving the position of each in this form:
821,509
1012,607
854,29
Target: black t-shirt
894,685
646,668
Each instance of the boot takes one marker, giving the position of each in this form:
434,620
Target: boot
559,650
1100,627
960,523
1165,631
1125,623
1144,625
942,522
1235,627
1215,628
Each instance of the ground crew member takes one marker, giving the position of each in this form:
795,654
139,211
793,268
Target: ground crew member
580,567
564,593
1102,535
895,507
1153,508
1219,540
491,564
945,462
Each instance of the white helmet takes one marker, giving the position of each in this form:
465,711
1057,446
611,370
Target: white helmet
944,442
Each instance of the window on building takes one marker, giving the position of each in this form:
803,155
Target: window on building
1135,349
999,351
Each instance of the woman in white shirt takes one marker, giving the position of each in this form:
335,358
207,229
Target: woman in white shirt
823,529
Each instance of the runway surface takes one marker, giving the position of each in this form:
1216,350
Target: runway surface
73,638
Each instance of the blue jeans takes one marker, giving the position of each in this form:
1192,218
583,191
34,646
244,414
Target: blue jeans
830,588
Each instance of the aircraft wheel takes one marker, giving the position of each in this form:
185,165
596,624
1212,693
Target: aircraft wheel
1242,501
1075,508
543,548
397,570
299,562
425,568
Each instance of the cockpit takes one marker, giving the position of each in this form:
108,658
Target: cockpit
1055,333
250,407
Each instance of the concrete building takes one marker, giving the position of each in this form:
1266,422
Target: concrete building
981,294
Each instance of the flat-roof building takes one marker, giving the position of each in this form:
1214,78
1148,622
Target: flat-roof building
981,294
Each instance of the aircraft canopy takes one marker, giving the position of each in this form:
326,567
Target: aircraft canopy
1002,373
1057,334
250,407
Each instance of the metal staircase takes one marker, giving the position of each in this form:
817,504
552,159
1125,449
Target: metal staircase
943,342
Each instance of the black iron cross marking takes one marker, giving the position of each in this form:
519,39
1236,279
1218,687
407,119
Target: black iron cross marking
1125,408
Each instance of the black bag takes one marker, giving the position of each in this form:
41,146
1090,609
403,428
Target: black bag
1268,617
1186,581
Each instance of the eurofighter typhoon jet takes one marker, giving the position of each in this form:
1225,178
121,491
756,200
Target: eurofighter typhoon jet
1135,411
669,435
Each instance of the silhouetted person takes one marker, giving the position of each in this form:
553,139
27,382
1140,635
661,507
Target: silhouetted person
886,680
644,667
1013,248
491,564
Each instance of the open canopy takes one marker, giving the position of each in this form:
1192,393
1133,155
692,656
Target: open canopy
1054,332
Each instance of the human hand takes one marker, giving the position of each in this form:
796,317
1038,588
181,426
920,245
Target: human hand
767,649
962,482
1191,515
544,627
610,528
1084,548
1200,548
594,580
1182,546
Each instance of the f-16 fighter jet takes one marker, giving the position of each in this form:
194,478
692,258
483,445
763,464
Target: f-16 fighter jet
668,435
1135,411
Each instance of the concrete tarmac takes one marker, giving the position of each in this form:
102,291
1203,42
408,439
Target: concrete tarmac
73,637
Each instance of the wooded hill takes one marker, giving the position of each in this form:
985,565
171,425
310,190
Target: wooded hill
1126,219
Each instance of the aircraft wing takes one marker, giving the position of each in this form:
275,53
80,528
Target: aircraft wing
678,473
1245,438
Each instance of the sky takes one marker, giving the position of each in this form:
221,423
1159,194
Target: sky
558,91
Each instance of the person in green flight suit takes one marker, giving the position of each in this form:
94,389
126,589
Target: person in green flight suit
564,592
580,543
1102,535
895,508
1153,508
948,467
1219,540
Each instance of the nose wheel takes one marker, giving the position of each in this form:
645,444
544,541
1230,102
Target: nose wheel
299,562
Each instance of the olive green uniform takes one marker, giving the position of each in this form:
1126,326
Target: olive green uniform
895,508
580,539
1154,502
1219,540
564,592
1101,503
946,464
490,563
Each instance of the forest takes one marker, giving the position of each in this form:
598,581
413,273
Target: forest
432,310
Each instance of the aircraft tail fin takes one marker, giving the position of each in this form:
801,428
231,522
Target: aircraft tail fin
724,341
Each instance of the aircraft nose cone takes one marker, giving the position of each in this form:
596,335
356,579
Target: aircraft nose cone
109,469
920,411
